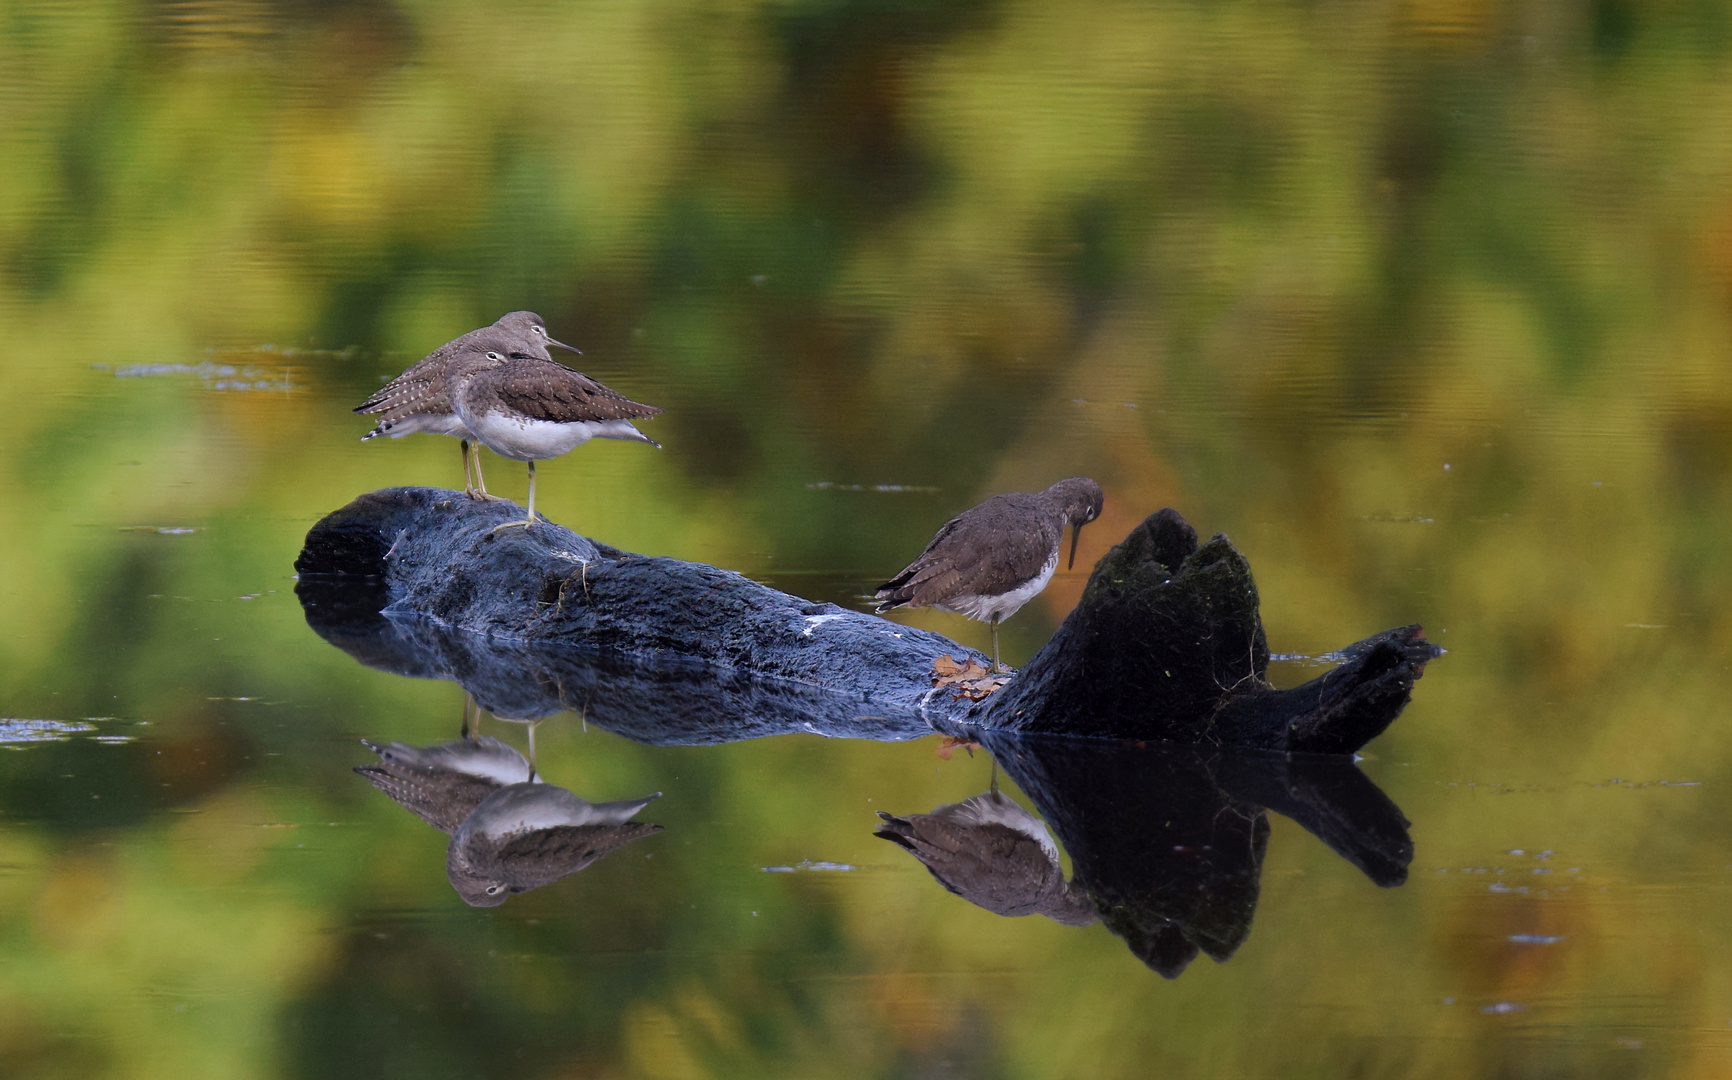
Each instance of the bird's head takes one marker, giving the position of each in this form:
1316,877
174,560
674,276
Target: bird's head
531,332
1081,500
473,357
476,889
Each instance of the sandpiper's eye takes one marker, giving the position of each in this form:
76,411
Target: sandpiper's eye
538,329
495,890
494,356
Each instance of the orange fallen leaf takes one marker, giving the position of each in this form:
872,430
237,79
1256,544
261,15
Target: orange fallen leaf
950,744
965,679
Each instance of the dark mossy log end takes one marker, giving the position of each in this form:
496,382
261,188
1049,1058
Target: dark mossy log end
439,558
1167,644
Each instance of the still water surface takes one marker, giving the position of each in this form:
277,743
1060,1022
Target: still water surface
1426,305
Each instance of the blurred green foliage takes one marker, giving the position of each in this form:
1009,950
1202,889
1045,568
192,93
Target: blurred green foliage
1425,303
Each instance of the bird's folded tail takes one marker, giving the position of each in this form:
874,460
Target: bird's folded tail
625,429
890,597
617,812
899,831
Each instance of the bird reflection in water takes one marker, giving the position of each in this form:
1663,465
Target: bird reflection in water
510,830
994,854
1166,842
524,836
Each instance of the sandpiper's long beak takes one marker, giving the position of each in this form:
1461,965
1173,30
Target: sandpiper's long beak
563,345
1075,535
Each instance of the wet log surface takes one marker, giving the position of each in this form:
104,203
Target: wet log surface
539,620
1165,645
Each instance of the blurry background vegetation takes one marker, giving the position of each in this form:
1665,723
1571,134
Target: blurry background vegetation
1425,303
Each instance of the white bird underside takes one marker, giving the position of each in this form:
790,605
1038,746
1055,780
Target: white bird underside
483,757
995,808
534,806
988,608
523,439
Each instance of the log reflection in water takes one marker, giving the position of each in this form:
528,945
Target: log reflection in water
1166,842
660,702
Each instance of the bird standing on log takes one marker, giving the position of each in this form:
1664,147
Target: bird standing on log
529,409
416,401
989,560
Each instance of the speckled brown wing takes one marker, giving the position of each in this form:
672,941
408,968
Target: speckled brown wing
442,798
540,857
930,578
544,390
985,550
419,390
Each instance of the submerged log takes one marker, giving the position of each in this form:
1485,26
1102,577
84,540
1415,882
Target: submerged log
1166,643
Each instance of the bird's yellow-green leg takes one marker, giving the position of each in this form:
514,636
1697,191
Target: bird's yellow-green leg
995,666
468,481
480,483
530,520
479,489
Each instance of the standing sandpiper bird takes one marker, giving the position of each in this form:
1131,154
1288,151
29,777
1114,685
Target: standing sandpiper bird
989,560
530,409
416,401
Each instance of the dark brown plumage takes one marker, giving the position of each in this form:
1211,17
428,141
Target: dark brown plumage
487,877
531,409
442,785
442,801
994,854
417,401
544,390
991,559
524,836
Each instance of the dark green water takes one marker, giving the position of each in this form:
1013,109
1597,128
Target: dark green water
1427,305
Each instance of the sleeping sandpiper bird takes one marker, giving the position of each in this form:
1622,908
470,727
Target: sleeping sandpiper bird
994,854
524,836
416,401
442,785
989,560
529,409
